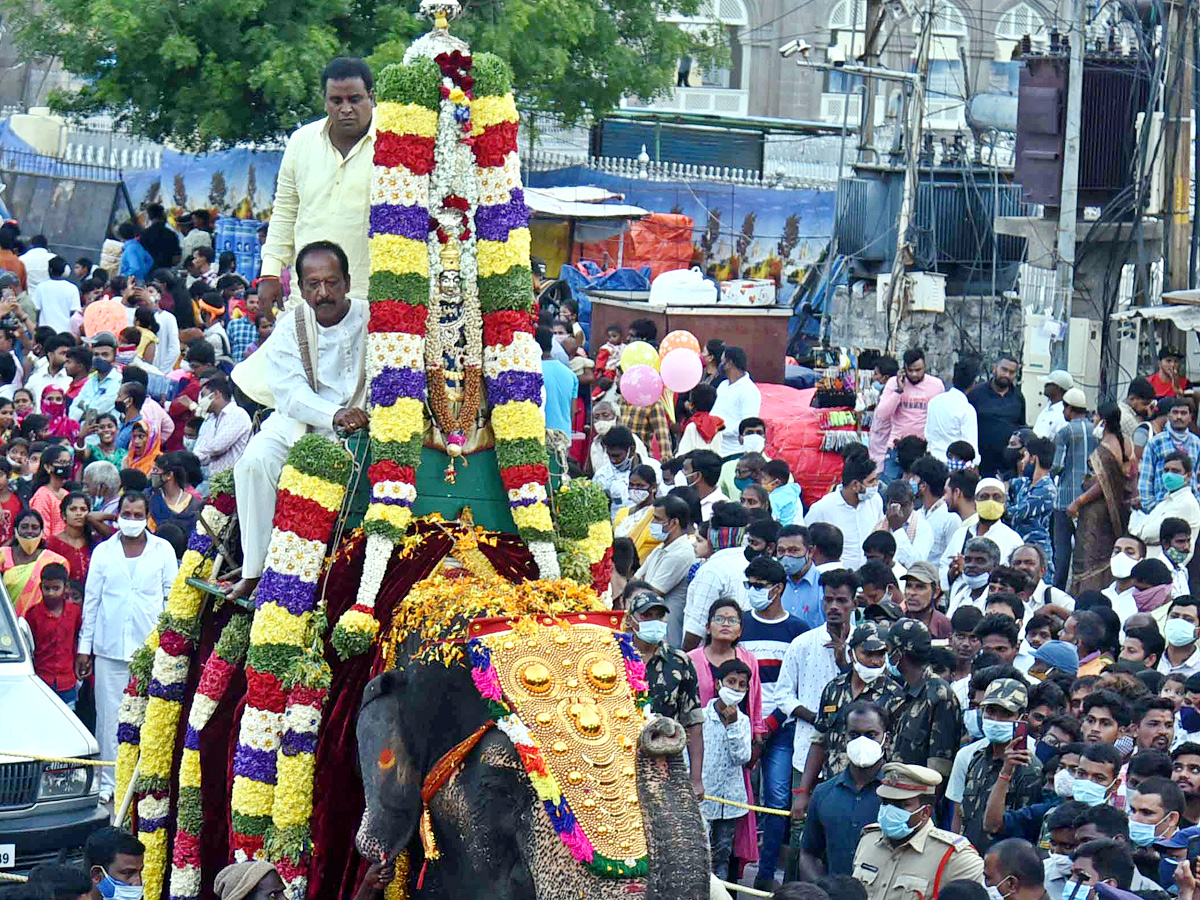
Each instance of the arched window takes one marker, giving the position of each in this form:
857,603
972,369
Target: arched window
949,31
847,39
721,19
1017,22
946,86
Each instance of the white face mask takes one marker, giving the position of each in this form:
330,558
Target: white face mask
1060,863
638,495
1064,786
754,443
603,426
730,697
131,528
864,752
680,479
1121,565
867,673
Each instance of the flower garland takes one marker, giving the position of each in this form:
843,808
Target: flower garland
512,359
227,656
131,715
545,784
311,488
586,529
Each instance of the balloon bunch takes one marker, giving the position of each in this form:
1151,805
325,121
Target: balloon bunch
676,366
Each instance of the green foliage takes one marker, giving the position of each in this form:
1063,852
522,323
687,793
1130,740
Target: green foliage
204,74
419,82
492,77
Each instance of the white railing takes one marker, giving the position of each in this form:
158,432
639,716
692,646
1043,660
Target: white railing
702,101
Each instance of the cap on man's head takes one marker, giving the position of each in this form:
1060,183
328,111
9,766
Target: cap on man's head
1180,839
923,571
644,600
1075,397
993,483
910,635
867,636
883,613
104,339
902,781
1007,693
1168,353
1060,377
1059,655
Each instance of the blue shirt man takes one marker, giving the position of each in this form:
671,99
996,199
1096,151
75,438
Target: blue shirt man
802,595
560,384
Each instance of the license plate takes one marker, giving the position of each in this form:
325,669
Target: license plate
8,856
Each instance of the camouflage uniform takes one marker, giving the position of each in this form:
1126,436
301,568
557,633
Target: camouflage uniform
1026,784
674,691
928,725
839,694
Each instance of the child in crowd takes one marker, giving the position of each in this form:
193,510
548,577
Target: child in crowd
1040,629
265,325
8,418
10,504
727,741
75,592
608,360
22,403
1172,689
55,626
191,434
17,454
147,329
127,345
960,455
785,494
568,312
701,430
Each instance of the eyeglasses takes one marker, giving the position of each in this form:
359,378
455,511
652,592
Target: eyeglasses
726,620
752,586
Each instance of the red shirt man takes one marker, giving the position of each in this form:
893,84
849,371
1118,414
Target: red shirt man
1167,381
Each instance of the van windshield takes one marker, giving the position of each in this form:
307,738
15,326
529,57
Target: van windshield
10,641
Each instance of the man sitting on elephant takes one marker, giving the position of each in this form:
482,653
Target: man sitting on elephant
316,365
674,691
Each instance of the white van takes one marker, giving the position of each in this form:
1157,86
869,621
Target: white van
44,807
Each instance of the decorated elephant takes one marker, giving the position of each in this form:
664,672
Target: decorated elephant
451,752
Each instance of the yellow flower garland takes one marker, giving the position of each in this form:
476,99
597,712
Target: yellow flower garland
154,860
322,492
406,118
250,797
536,516
497,257
293,790
493,110
275,625
399,255
398,516
398,422
523,419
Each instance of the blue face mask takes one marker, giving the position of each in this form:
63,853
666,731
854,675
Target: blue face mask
1044,752
1173,481
1143,833
111,889
102,367
1189,719
915,484
793,565
1073,890
893,822
743,483
658,531
652,631
973,722
998,732
892,668
1090,793
1166,871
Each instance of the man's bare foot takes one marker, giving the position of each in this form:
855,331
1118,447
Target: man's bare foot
242,590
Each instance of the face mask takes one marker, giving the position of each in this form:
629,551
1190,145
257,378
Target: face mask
1173,481
1044,751
1012,458
658,531
1143,833
653,631
1090,793
892,669
872,491
1189,719
1124,746
111,889
62,471
893,822
868,673
990,510
603,426
639,495
205,405
625,465
977,581
915,485
973,723
730,697
1060,863
102,367
131,528
994,892
751,554
680,480
742,483
1064,786
759,598
1166,871
864,752
754,443
29,545
189,444
1073,890
793,565
1121,565
1177,556
1179,632
998,732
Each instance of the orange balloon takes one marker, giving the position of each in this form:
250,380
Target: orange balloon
677,339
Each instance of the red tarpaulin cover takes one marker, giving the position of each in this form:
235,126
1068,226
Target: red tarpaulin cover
794,435
662,241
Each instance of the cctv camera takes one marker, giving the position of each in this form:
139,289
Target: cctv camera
789,48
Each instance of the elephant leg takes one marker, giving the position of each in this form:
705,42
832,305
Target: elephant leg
675,832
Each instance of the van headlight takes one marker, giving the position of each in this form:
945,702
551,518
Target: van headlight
63,780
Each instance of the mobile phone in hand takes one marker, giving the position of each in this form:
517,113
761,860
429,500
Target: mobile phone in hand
1021,734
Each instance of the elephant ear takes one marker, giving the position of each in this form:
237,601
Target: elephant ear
391,783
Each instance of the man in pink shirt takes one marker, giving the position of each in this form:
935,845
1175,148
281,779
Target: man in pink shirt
901,411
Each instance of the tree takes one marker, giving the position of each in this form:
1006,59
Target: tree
153,193
251,186
179,195
204,74
216,192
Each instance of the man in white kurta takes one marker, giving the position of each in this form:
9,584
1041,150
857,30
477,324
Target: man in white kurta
317,391
128,580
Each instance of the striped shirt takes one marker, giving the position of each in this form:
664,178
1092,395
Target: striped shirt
769,641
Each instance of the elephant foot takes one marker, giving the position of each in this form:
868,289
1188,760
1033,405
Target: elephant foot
663,737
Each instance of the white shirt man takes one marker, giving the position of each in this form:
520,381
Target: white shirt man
37,266
910,550
943,522
950,417
1178,504
123,598
56,299
224,432
1003,536
807,667
666,569
722,576
855,522
736,400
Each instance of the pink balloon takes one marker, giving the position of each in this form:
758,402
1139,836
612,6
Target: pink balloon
641,386
681,369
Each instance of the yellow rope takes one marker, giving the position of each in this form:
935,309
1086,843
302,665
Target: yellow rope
757,809
70,760
6,876
745,890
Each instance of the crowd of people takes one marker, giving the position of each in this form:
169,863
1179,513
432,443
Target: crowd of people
975,659
115,411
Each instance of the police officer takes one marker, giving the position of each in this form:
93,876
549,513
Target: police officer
903,857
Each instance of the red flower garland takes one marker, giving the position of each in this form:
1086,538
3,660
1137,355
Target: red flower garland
516,476
264,691
390,316
409,150
306,518
499,327
390,470
173,643
496,142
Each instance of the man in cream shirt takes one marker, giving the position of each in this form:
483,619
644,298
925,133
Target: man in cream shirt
323,192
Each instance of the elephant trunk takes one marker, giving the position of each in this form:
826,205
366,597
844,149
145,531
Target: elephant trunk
676,836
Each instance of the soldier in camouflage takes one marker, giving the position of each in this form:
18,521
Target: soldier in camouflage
928,724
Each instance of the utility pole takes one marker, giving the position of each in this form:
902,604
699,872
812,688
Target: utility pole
870,58
1177,144
912,141
1068,210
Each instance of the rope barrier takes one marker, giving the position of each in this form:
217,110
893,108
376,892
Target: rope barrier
70,760
750,806
6,876
753,892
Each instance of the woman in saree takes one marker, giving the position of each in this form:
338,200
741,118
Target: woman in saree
145,446
1102,510
634,521
22,562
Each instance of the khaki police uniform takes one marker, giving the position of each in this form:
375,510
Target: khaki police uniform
919,866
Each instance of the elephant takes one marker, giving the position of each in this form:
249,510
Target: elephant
495,838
